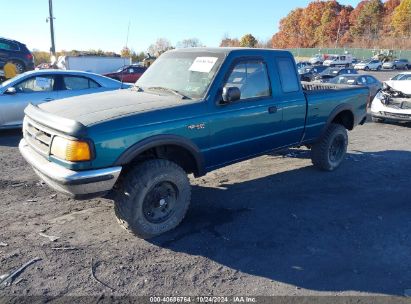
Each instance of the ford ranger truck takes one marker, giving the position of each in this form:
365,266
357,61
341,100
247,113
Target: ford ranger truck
192,111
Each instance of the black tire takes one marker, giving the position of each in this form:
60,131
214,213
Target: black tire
19,66
394,67
366,68
329,152
153,188
377,119
379,68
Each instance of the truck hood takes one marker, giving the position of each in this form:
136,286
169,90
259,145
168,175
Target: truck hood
94,108
404,86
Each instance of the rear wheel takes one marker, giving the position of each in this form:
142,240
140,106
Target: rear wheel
329,152
394,67
152,198
379,68
19,67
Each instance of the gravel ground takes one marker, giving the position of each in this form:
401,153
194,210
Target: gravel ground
273,225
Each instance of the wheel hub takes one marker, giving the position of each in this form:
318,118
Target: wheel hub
159,203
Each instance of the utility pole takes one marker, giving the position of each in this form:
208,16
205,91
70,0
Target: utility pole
51,18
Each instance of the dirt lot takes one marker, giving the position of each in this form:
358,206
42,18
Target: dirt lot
273,225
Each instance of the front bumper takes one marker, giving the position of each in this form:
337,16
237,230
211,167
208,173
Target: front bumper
78,184
379,110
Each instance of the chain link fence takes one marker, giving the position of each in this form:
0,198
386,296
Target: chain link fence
356,52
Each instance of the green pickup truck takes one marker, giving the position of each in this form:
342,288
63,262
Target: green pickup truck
193,111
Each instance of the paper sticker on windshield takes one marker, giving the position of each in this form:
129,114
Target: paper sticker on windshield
203,64
42,82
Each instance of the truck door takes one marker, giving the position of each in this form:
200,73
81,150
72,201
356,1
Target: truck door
250,125
291,99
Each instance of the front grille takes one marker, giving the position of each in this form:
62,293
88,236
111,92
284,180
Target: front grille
396,115
37,137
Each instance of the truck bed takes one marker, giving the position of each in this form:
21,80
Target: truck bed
317,86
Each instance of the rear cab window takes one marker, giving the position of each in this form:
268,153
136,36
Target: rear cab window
288,75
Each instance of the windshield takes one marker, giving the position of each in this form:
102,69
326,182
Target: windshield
188,73
344,80
330,71
7,82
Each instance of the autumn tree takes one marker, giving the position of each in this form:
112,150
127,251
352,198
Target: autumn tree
289,35
401,19
229,42
126,52
368,20
248,40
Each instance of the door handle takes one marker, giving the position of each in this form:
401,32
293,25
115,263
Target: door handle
48,99
272,110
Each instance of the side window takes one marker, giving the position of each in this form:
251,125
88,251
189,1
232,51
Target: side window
251,78
10,46
36,84
78,83
370,79
362,80
288,76
342,58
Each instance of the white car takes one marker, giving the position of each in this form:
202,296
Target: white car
370,64
317,59
393,102
44,86
338,60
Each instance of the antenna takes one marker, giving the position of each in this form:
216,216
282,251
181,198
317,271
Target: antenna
124,60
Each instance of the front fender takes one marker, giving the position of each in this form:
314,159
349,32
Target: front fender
161,140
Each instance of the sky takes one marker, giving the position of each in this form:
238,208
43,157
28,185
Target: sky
103,24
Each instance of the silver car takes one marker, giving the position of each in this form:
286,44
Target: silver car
46,85
402,64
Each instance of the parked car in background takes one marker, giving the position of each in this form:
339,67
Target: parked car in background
130,73
330,73
373,84
309,73
303,64
317,59
401,64
393,102
46,85
402,76
368,64
338,60
17,53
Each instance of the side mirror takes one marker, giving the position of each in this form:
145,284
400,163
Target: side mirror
231,94
10,91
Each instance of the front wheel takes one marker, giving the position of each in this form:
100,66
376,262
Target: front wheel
379,68
152,198
366,68
329,152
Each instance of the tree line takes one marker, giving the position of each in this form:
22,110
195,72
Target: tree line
372,23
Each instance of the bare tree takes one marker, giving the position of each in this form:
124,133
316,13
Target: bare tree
190,42
159,47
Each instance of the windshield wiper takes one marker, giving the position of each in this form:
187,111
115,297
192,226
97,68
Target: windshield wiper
175,92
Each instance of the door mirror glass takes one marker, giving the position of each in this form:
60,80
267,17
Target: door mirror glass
231,94
10,91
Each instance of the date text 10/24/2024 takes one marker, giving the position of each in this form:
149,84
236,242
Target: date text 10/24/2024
205,299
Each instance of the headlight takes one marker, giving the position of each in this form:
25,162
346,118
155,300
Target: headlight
71,150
